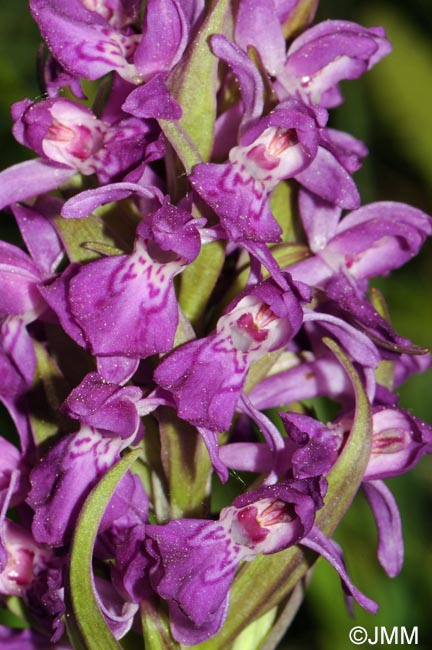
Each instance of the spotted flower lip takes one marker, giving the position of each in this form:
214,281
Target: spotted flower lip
56,496
192,557
91,38
97,304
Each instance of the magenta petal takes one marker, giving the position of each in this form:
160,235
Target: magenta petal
18,345
56,495
304,381
153,100
319,543
258,25
186,634
30,178
357,344
17,365
81,40
247,456
125,306
320,219
39,234
211,442
56,295
389,525
118,614
249,79
116,370
83,204
327,178
347,149
105,406
19,278
165,35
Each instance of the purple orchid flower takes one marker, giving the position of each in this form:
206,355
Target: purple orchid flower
317,60
206,376
90,38
368,242
279,146
311,449
396,230
326,54
56,496
399,441
70,139
125,306
193,562
287,143
105,406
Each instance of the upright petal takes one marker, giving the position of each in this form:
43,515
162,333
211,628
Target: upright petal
326,54
389,525
165,35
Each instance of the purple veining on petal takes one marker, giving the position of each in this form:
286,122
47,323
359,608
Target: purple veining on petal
56,496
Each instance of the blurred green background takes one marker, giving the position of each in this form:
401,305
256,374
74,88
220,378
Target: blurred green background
390,109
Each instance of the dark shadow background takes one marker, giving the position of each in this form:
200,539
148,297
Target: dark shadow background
390,109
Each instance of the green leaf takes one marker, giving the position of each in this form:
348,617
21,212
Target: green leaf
156,632
88,620
301,16
77,233
48,392
187,465
192,136
385,371
199,279
252,637
282,206
274,576
287,615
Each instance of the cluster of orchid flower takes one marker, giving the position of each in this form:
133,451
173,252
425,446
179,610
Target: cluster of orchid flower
190,283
